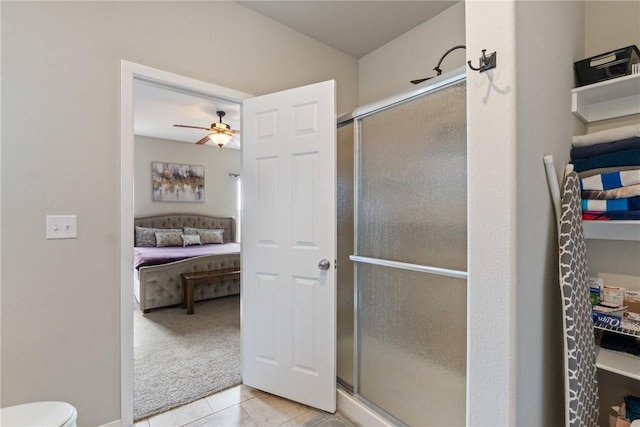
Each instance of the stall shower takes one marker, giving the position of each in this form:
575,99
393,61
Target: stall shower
402,247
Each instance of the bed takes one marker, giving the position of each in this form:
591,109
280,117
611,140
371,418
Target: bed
157,270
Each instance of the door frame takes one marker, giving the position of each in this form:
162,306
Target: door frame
129,72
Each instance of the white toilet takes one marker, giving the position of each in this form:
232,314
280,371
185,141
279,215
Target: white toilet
39,414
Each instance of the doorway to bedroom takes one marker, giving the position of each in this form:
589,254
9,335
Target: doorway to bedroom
130,73
188,189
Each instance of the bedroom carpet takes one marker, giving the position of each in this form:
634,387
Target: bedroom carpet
179,358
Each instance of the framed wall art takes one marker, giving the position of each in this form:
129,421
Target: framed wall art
172,182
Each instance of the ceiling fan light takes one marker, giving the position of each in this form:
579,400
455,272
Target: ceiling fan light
220,138
220,127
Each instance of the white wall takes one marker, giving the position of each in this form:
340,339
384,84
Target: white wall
413,55
611,25
544,126
492,192
220,189
60,155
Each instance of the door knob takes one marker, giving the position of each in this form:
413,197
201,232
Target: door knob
324,264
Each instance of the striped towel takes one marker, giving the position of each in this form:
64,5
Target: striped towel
614,193
608,181
611,216
608,135
613,205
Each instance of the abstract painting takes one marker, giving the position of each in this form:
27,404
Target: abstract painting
173,182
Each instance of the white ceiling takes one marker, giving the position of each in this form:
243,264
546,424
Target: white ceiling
157,108
354,27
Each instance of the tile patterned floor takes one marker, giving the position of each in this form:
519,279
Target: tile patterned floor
238,406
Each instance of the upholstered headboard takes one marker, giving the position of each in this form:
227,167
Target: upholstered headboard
187,220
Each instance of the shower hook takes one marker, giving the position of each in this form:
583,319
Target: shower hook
486,62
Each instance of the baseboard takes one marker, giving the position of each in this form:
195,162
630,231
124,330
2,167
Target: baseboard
358,412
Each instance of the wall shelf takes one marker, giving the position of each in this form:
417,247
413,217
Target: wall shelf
619,363
612,230
605,100
630,331
609,99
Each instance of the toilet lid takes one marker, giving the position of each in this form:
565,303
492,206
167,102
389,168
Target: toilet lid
43,414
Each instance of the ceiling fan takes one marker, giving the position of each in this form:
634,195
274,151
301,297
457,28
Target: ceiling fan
219,132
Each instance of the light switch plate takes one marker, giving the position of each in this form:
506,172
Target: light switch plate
62,227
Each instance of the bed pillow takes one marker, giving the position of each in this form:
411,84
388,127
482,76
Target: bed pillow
207,235
168,238
146,237
191,239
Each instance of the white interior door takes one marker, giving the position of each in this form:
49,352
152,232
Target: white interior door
289,227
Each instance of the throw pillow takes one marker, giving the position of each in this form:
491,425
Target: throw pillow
146,237
168,238
207,235
191,239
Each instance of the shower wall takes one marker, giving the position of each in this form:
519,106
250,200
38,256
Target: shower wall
411,258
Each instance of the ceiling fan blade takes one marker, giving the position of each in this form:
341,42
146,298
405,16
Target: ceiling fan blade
192,127
203,140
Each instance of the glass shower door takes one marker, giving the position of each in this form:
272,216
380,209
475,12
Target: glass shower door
411,248
345,279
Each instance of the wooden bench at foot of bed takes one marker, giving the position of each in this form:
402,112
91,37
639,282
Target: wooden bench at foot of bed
189,280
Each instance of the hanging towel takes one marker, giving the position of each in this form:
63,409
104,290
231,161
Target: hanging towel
611,180
614,193
621,158
608,135
581,379
628,204
604,148
611,216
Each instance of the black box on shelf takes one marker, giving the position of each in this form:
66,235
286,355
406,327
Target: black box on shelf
619,342
605,66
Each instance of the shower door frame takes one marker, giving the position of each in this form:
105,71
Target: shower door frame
434,85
